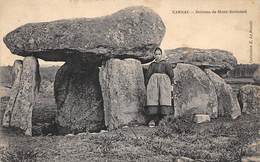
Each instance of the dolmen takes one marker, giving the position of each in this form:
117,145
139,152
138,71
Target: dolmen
101,83
198,87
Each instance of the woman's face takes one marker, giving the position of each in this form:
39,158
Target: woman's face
158,55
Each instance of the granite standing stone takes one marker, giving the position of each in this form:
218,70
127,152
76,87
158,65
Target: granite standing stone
16,77
249,98
193,92
78,97
227,101
123,91
21,116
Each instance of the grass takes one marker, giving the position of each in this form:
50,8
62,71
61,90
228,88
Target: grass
20,154
219,140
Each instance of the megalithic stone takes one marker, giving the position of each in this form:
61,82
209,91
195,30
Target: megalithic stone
227,101
78,97
133,32
23,105
249,98
16,70
123,91
193,92
16,77
219,61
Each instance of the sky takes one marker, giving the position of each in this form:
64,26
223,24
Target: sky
199,28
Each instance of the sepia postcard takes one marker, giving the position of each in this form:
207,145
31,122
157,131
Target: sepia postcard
130,80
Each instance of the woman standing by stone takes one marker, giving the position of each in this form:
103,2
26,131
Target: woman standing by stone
158,81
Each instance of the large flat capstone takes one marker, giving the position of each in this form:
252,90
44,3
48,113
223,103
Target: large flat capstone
132,32
219,61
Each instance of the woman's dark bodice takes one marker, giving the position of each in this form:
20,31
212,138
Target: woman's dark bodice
159,67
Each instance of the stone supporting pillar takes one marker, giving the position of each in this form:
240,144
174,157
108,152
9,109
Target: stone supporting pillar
24,91
123,91
16,79
78,97
193,92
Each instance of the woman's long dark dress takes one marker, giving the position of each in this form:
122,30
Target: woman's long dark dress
158,80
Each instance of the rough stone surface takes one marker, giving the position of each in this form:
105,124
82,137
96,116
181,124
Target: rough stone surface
193,92
256,76
201,118
16,69
22,100
219,61
123,91
249,98
227,101
78,98
133,32
243,71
